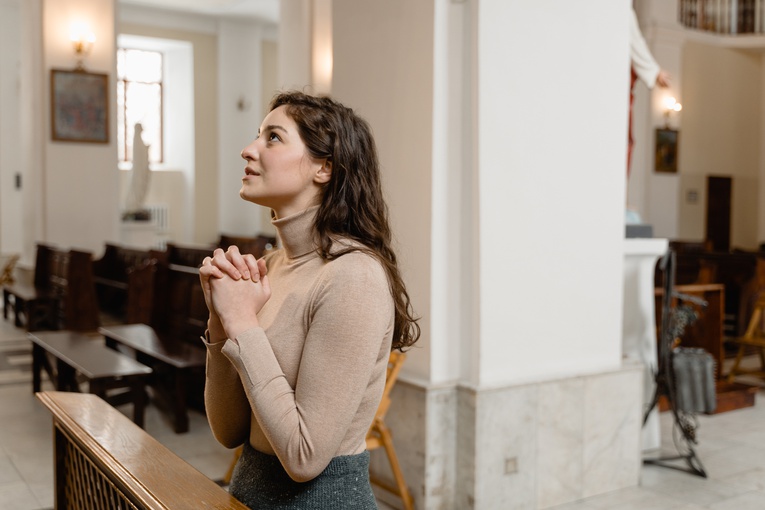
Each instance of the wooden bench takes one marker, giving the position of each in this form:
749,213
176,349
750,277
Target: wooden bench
167,356
102,462
257,245
86,356
124,279
193,255
62,294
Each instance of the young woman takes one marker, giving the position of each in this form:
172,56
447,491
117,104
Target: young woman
298,342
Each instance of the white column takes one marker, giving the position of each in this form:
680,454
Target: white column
639,336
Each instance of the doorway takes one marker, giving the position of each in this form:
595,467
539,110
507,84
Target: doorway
718,213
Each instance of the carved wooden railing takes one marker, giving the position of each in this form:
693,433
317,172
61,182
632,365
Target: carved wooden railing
731,17
104,461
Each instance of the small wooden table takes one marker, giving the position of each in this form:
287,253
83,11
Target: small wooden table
178,356
33,309
104,368
707,332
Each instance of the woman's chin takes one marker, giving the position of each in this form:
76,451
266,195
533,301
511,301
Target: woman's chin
248,196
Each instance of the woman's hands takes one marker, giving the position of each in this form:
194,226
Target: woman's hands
235,287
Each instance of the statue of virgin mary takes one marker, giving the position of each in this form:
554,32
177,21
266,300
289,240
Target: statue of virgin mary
139,178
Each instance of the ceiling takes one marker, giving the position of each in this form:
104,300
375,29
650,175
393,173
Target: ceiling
263,9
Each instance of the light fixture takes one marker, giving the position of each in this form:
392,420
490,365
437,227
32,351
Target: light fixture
82,41
670,106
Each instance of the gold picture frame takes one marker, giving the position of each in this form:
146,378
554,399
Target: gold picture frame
666,150
79,106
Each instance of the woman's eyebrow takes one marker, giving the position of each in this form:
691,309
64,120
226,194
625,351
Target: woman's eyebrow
273,127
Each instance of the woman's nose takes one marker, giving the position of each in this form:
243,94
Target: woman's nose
250,152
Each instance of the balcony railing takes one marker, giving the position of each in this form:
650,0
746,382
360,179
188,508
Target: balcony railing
733,17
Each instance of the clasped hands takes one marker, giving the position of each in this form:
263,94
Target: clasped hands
235,287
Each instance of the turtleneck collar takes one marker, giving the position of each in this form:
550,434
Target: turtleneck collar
296,232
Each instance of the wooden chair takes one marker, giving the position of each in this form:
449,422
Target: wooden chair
753,337
6,271
379,435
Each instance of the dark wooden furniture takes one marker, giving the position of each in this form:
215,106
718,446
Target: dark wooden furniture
184,255
707,331
167,354
257,245
102,461
736,270
86,356
62,296
124,279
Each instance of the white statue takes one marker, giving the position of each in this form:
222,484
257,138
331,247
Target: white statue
139,177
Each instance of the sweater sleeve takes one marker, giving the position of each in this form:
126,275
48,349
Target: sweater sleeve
350,317
226,405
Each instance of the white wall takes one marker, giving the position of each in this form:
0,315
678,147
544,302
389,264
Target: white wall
295,49
241,111
11,160
80,180
552,141
721,135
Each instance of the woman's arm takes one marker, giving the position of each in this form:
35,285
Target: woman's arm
351,321
228,411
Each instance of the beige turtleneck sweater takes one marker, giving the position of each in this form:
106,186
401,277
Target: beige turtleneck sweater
305,385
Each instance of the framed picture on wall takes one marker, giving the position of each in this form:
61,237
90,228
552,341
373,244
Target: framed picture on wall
79,106
666,150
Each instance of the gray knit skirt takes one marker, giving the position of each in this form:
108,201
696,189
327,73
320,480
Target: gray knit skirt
260,482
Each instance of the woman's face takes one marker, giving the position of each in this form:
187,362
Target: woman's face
280,173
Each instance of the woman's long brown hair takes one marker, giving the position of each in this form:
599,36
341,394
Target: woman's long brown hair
352,203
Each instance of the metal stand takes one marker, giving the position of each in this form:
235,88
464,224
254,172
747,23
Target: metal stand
673,322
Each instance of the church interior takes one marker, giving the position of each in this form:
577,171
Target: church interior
592,329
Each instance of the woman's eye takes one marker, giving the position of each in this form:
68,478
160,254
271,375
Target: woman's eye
273,137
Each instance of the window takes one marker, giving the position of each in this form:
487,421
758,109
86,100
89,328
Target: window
139,99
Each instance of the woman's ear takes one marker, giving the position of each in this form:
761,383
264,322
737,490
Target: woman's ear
324,174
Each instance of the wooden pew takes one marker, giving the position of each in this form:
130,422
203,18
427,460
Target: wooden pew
124,279
85,356
171,342
184,255
103,461
257,246
62,295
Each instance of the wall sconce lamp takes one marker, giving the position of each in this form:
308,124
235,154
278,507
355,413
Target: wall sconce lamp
82,41
670,106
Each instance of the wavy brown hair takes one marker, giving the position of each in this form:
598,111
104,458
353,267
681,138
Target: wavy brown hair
352,203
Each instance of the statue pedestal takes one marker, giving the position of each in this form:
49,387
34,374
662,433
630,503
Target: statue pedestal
139,234
639,321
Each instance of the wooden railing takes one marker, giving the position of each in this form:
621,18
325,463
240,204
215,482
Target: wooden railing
723,16
104,461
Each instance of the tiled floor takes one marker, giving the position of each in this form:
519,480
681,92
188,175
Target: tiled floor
732,449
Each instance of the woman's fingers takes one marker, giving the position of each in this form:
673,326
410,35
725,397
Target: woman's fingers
221,260
237,259
209,270
252,266
262,269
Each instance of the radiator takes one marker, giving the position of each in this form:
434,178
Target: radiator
160,217
694,373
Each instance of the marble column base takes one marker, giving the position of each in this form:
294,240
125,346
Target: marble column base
517,447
